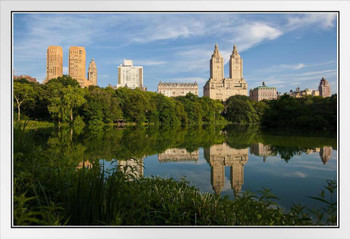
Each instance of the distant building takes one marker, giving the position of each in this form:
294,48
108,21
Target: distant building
324,88
130,76
300,93
177,89
263,93
92,73
28,78
178,154
77,65
54,63
218,87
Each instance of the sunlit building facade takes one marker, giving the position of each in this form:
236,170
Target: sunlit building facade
130,76
54,63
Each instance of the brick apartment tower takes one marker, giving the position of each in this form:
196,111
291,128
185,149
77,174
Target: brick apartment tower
54,62
92,73
324,88
77,64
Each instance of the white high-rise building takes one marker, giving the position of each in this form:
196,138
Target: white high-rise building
129,75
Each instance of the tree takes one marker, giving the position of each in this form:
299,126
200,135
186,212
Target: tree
239,109
73,97
22,92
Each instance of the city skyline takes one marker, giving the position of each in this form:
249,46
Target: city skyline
283,50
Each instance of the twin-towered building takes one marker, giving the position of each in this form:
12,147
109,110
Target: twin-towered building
77,65
220,88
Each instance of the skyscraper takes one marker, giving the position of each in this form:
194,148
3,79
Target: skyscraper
218,87
77,64
324,88
129,75
92,73
54,63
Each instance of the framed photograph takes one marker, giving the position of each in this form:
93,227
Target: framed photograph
164,119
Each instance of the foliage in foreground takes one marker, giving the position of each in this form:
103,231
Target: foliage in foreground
93,199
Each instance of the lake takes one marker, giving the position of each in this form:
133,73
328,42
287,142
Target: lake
223,160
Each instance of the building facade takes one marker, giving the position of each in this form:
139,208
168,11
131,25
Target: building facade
177,89
220,88
54,63
300,93
28,78
263,93
130,76
92,73
324,88
77,65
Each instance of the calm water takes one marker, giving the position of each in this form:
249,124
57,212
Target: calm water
226,161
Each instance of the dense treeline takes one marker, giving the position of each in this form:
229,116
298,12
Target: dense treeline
62,100
307,112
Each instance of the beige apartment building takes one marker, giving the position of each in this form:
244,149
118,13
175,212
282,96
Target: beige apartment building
221,155
263,93
300,93
218,87
77,64
54,63
130,76
92,73
324,88
177,89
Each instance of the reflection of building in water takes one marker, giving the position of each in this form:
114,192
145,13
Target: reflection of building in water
177,154
311,151
325,153
133,168
260,149
219,157
86,164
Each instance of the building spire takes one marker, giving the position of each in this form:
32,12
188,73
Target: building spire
216,50
235,51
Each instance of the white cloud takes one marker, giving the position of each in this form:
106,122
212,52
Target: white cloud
324,21
145,62
294,67
251,34
319,72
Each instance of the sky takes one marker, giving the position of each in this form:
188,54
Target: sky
283,50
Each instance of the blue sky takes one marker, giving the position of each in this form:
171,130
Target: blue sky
284,50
